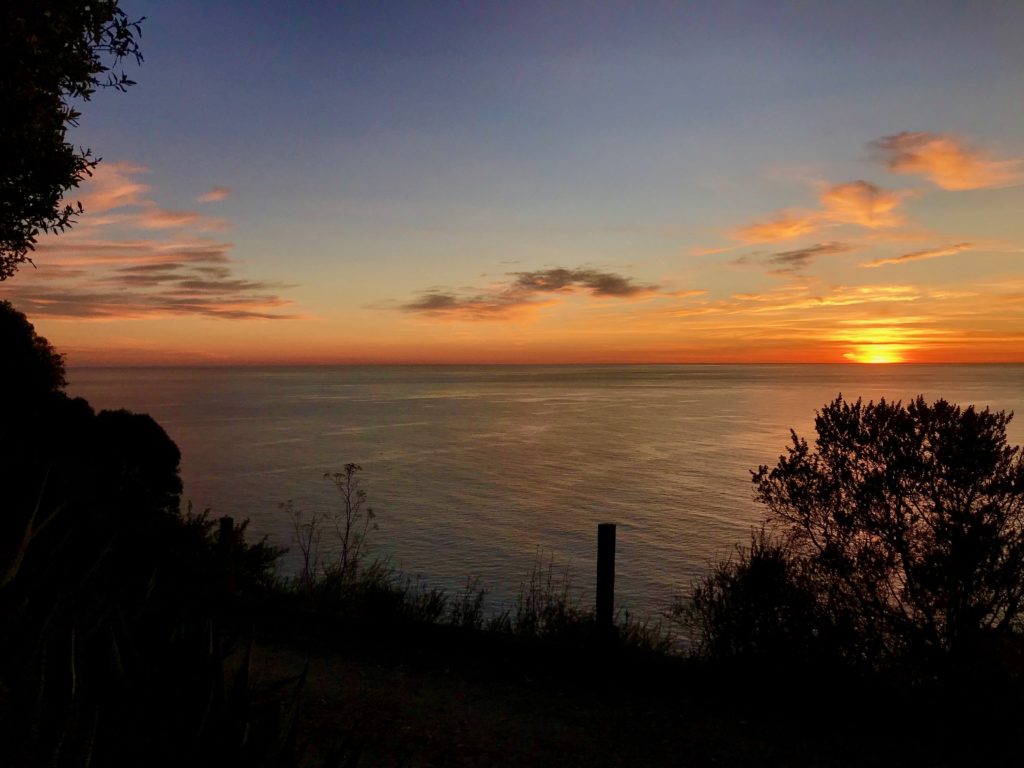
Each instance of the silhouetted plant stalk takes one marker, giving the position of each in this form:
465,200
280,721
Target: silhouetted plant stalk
351,522
546,604
466,610
29,531
307,532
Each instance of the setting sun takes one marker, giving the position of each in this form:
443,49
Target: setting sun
876,353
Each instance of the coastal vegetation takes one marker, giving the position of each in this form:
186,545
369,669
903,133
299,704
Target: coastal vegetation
113,621
896,541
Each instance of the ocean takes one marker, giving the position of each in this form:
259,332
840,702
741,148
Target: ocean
478,471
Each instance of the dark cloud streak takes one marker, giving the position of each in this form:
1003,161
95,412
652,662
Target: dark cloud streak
147,279
789,262
88,304
525,290
598,283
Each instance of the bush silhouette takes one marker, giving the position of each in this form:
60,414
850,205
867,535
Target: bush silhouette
114,612
758,605
903,524
32,367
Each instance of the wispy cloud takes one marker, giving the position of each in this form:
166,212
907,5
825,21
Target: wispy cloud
73,250
114,195
113,185
701,251
166,268
800,299
947,160
838,296
527,290
85,304
143,279
153,217
214,195
790,262
931,253
860,203
783,226
685,294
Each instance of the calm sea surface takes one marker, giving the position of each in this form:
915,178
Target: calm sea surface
472,470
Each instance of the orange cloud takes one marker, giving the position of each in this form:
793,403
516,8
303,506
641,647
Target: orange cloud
948,161
215,195
856,202
154,217
843,296
698,251
932,253
685,294
158,218
796,297
112,186
66,251
117,280
863,204
115,303
784,226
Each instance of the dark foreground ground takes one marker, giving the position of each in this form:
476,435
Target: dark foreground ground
435,696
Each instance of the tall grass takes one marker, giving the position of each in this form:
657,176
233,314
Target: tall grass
337,577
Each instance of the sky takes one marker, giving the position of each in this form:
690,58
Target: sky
300,183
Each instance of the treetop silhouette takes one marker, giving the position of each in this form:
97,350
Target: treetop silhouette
54,54
899,534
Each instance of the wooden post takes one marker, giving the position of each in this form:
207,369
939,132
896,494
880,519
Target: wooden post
605,574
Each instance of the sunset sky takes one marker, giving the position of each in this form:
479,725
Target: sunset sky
550,182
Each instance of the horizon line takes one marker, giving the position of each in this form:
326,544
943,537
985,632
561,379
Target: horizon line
849,363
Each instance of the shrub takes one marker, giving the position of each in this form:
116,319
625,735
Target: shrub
900,538
113,609
759,605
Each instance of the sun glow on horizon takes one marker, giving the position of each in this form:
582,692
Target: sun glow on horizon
877,354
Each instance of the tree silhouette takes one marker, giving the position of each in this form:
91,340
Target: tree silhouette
904,523
54,54
32,367
113,605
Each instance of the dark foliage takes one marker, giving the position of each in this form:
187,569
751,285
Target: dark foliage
899,539
33,369
760,605
117,612
54,54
